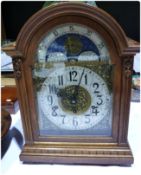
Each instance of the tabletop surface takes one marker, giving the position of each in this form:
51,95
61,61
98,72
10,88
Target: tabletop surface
11,165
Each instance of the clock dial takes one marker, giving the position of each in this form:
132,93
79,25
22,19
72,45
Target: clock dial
74,98
72,42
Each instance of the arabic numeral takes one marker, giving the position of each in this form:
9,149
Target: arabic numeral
54,113
73,75
52,89
94,110
63,118
75,122
86,79
96,86
87,117
71,28
100,101
89,33
60,80
50,99
56,33
101,45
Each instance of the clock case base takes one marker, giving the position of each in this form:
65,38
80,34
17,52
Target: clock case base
91,155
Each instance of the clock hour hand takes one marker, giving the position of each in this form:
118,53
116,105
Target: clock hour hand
68,97
63,94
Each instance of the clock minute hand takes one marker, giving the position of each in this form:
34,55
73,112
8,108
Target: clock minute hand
77,90
77,87
63,94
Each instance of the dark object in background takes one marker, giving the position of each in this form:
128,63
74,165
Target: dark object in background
15,14
8,134
126,13
5,122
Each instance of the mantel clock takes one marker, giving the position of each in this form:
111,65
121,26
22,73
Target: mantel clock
73,66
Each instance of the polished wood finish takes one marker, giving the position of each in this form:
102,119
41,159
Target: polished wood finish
78,150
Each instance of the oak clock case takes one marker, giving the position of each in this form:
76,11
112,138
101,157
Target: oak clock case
73,65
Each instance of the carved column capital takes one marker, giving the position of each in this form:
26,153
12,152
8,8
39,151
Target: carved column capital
17,67
127,64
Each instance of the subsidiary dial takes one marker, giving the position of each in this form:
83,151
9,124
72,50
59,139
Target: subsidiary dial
72,42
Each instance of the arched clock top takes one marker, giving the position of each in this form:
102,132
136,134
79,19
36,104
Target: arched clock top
93,17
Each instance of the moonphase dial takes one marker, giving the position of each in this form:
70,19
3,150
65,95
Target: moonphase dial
72,42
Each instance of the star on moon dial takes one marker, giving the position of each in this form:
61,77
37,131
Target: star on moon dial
74,98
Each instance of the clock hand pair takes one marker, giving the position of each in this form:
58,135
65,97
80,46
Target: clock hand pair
71,94
76,92
63,94
68,97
